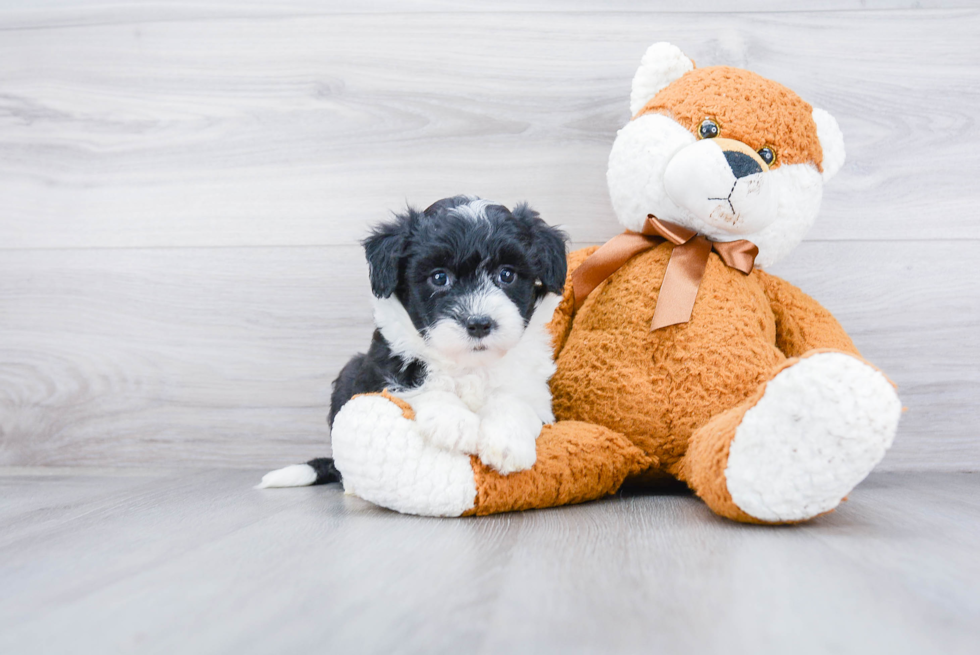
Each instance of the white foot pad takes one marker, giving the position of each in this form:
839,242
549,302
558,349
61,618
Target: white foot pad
384,460
818,430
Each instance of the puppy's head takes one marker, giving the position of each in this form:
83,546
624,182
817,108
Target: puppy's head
462,279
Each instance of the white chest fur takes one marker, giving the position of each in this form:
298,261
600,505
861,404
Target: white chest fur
481,403
522,372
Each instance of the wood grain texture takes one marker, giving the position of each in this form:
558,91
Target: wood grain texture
181,187
42,14
224,357
299,130
190,356
200,563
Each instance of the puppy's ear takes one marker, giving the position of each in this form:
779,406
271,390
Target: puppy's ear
384,249
547,252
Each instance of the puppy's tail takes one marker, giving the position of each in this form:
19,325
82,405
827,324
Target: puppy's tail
316,471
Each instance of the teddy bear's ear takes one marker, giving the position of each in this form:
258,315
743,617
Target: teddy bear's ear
831,142
662,64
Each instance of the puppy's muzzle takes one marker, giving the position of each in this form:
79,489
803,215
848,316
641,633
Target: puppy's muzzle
478,326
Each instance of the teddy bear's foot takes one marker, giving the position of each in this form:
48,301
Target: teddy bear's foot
384,460
800,445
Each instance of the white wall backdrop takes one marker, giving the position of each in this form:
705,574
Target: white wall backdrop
182,188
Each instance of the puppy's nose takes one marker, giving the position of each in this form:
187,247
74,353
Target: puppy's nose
741,164
478,326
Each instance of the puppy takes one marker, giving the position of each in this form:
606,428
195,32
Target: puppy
463,293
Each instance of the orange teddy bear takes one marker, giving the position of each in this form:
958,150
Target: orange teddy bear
677,356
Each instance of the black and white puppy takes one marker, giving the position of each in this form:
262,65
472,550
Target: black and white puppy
463,292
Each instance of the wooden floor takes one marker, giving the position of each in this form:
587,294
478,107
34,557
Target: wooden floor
182,188
199,562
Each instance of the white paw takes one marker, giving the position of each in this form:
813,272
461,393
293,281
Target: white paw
818,430
449,426
384,460
508,439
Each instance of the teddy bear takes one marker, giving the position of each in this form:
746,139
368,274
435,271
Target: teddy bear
677,356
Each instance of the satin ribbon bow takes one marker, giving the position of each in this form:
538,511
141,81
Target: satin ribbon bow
685,268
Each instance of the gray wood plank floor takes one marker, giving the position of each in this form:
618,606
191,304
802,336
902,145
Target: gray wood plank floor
181,189
199,562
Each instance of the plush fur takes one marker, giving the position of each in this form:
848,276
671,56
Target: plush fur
661,165
688,393
462,294
760,402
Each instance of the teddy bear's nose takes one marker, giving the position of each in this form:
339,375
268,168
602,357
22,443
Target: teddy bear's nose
741,164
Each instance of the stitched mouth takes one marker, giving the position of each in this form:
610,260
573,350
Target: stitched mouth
728,199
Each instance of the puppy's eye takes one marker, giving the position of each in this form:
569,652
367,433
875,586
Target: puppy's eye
506,275
439,278
768,155
708,129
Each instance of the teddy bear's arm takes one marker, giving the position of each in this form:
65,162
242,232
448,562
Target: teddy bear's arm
561,321
802,324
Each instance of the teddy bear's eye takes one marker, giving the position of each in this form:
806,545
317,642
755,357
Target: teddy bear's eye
768,155
708,129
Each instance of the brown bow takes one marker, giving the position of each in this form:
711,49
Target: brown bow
684,269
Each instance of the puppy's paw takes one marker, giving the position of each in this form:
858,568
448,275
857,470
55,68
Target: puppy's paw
449,426
508,440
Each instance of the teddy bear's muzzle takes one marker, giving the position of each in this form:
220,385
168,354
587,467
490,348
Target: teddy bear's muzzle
724,183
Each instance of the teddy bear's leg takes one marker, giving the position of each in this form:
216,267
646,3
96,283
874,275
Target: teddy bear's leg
799,445
576,462
384,460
